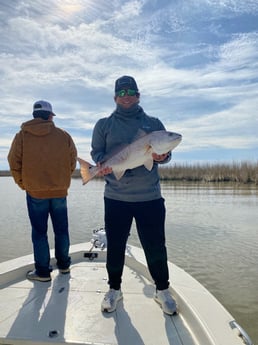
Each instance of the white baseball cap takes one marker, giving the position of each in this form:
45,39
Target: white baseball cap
43,106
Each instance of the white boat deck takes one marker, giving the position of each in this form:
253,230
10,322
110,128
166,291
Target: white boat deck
67,310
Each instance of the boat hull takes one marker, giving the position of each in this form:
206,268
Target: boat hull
67,309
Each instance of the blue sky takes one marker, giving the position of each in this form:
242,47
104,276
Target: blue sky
195,62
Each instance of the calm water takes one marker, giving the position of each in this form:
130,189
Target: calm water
212,233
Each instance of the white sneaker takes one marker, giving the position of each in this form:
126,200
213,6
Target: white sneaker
168,304
32,275
64,270
110,300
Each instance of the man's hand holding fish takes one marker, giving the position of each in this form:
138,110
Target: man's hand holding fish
103,171
159,158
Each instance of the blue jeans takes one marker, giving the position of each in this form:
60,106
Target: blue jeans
150,223
39,211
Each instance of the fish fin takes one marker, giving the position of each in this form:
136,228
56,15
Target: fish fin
149,164
87,170
118,173
140,133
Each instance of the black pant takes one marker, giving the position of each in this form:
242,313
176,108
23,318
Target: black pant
150,223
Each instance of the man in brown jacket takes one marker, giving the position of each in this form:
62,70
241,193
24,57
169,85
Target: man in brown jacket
42,158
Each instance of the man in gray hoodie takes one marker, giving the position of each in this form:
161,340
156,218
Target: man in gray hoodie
136,195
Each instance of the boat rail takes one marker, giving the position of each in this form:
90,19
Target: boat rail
242,333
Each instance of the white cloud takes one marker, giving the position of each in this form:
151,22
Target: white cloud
194,71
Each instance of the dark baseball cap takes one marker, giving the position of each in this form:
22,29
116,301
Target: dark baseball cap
125,82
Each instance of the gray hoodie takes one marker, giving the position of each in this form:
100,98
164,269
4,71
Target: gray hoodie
118,130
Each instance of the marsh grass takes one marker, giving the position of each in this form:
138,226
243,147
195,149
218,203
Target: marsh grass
244,172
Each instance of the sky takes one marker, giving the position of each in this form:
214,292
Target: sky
195,63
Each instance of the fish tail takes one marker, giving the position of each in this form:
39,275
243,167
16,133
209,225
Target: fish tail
87,170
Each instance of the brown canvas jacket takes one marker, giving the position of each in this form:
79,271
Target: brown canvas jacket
42,158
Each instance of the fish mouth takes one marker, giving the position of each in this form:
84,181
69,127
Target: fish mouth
176,135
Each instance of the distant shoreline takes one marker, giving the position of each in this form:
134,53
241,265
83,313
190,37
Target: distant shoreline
244,172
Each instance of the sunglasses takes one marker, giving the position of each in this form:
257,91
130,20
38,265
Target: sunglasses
128,92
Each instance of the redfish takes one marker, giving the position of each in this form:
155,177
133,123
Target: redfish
138,153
